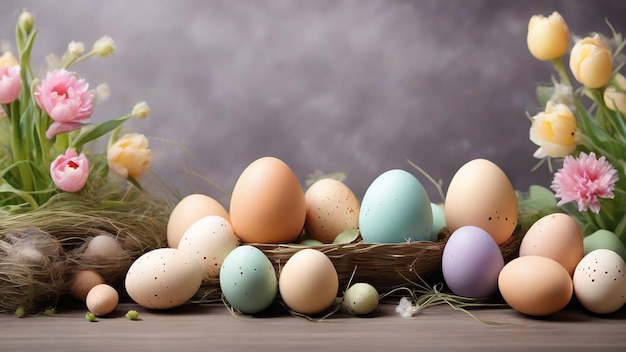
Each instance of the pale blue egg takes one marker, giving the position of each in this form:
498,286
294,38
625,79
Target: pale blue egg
395,209
248,279
439,219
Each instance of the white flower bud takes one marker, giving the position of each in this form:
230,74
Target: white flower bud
104,46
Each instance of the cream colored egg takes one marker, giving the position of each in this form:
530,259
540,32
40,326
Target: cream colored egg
209,240
480,194
102,299
267,204
360,299
104,247
83,281
189,210
163,278
331,208
555,236
308,282
600,281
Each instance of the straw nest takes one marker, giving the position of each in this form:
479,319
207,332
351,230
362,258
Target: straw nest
384,266
41,250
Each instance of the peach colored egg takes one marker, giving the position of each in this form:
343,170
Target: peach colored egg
555,236
480,194
308,282
83,281
331,208
102,299
189,210
535,285
267,203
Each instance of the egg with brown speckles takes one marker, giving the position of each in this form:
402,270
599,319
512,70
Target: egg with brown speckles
163,278
480,194
331,208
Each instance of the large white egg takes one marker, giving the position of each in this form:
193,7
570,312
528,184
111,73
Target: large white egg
163,278
209,240
600,281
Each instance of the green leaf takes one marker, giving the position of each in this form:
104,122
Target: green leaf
542,196
347,236
97,131
544,93
7,188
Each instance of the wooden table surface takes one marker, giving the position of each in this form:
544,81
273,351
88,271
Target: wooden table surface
213,328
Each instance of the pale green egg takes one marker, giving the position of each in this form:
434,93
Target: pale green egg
604,239
439,219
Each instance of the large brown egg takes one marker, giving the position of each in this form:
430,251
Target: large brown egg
480,194
267,204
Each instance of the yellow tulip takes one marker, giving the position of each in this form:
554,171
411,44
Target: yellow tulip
8,60
590,62
615,95
548,37
129,155
554,131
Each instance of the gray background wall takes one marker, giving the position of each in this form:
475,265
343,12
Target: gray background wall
358,86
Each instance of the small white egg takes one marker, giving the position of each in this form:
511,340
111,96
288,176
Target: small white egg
600,281
104,247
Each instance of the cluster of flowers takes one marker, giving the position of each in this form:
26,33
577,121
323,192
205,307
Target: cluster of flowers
47,125
589,140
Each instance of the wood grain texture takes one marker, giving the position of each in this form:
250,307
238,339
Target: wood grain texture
212,328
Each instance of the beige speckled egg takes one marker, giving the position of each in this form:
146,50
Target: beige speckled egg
209,240
480,194
189,210
102,299
308,282
83,281
331,208
267,203
535,285
555,236
600,281
163,278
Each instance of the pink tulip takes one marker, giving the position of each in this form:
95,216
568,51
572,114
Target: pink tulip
66,99
69,172
10,84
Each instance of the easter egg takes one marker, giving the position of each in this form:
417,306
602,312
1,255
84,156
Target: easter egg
600,281
248,280
471,262
480,194
395,209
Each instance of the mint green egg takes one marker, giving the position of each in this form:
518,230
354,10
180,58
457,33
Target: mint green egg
248,279
439,220
395,209
604,239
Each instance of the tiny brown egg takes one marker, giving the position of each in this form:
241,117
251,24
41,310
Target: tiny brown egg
84,281
555,236
102,299
308,282
267,204
104,247
189,210
331,208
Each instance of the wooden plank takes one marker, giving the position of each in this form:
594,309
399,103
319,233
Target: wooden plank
212,328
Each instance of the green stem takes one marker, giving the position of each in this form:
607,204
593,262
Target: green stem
560,68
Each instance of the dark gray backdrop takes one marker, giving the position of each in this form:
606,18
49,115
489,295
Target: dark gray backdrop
356,86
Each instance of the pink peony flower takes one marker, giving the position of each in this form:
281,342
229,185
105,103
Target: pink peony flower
10,84
69,172
584,179
65,98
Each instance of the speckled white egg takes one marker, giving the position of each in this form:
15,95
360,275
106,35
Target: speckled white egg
163,278
209,240
331,208
600,281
